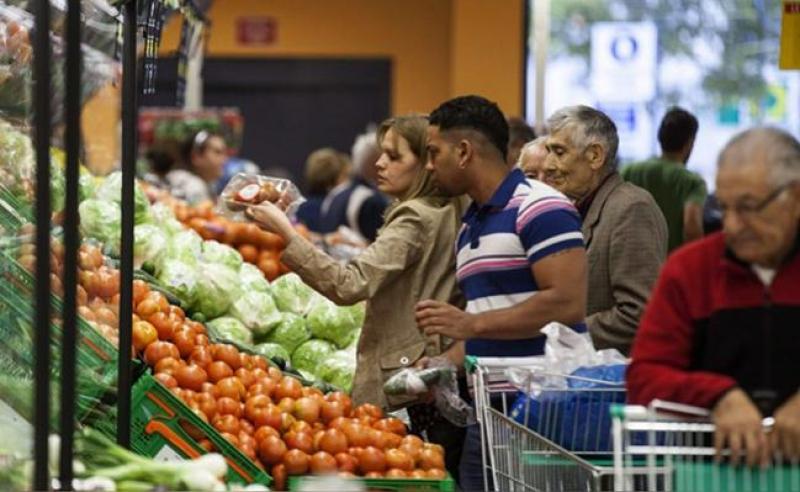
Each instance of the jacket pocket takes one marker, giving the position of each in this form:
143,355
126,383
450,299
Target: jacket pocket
396,360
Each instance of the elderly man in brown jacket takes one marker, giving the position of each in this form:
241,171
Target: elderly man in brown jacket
624,230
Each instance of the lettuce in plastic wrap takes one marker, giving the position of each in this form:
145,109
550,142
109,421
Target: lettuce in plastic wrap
185,246
232,329
216,288
273,351
333,323
180,279
290,333
165,219
148,245
222,254
292,295
339,369
312,355
111,190
252,279
101,220
257,311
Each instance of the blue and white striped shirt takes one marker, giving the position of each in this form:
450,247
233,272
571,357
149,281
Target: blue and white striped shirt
522,223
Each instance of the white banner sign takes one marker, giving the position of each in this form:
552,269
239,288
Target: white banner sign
624,56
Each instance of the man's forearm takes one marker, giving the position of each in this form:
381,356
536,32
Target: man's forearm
692,222
526,319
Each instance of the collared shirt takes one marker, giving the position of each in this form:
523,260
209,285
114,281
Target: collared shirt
523,222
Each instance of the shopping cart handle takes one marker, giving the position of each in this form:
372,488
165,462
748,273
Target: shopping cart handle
470,363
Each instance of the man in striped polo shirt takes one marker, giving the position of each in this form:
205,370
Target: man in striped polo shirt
521,262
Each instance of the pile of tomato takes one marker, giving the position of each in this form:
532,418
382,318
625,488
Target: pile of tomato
286,428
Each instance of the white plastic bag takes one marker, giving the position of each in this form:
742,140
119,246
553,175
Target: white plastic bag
250,190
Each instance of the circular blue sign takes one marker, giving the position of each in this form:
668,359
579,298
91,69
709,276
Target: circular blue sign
624,47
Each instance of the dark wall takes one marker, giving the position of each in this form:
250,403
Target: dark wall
290,106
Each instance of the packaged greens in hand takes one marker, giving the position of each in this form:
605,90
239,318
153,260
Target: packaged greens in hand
251,190
412,381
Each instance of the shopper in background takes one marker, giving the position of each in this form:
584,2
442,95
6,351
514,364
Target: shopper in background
625,232
532,157
721,328
411,259
520,262
356,203
679,193
204,156
519,133
325,169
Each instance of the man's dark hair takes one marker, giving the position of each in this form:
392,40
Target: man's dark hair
520,131
473,113
677,128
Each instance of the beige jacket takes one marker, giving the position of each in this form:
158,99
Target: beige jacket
626,243
413,258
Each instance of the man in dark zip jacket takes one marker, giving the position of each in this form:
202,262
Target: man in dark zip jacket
722,329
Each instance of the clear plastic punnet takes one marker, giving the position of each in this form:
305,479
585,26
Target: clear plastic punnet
251,190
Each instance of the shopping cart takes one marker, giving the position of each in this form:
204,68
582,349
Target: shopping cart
669,447
557,441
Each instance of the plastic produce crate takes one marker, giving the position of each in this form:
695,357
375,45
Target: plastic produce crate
161,425
393,484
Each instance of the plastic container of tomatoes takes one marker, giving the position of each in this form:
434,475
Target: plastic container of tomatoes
251,190
165,428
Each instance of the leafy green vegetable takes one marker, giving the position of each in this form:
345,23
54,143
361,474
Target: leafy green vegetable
86,184
333,323
257,311
222,254
58,184
291,333
216,289
163,217
273,351
292,295
185,246
339,369
180,279
252,279
232,329
111,190
311,355
148,244
100,220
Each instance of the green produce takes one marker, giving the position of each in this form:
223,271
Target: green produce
58,184
101,220
333,323
101,458
273,351
111,190
257,311
291,333
180,279
149,243
186,246
311,355
162,216
216,289
222,254
339,370
359,312
86,184
252,279
232,329
292,295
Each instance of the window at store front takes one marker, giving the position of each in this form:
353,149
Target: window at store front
635,58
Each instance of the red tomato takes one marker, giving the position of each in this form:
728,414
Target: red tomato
191,377
299,440
271,450
372,460
322,463
228,354
227,423
159,350
202,357
228,406
218,370
346,462
232,388
306,409
296,461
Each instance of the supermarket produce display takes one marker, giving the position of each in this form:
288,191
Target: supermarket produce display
241,372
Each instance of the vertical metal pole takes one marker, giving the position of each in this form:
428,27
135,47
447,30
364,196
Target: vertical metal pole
541,34
526,53
72,138
41,74
129,116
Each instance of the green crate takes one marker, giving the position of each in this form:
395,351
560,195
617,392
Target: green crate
159,426
392,484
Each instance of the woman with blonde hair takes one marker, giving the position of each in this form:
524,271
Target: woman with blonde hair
412,258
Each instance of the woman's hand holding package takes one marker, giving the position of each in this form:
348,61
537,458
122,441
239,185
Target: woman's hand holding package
271,218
